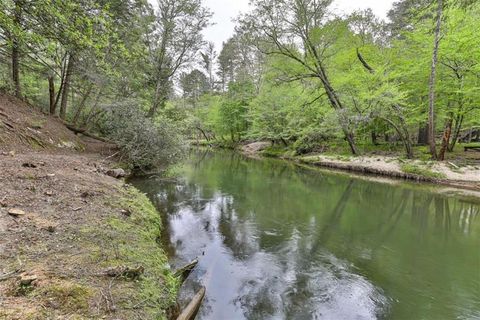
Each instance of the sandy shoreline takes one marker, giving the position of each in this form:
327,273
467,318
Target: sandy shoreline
439,173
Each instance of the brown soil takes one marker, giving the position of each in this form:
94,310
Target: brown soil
25,128
54,256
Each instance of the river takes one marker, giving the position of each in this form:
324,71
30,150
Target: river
278,241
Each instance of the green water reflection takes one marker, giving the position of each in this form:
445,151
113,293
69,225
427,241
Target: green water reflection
277,241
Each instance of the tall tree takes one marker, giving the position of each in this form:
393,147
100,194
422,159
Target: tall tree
174,43
226,63
16,48
194,84
208,60
301,31
404,14
431,84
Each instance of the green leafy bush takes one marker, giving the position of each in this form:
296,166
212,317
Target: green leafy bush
144,144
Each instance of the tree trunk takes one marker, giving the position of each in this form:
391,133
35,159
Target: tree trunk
374,138
422,135
351,142
16,69
81,106
431,109
62,80
446,138
456,132
160,98
404,136
16,51
337,105
66,86
93,109
203,133
51,91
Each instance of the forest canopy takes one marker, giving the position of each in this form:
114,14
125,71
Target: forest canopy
295,73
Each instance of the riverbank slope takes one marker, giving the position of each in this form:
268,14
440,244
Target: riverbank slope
76,243
461,171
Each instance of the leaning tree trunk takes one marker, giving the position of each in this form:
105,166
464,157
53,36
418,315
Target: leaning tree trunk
66,86
404,136
203,133
338,106
433,73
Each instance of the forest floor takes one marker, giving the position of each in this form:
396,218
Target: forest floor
461,169
75,242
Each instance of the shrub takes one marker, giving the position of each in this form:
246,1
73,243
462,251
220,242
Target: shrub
145,144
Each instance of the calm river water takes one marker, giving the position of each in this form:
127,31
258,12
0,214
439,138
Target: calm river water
276,241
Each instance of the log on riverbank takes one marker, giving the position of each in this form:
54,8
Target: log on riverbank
190,312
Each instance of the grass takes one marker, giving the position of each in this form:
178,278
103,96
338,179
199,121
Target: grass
123,241
421,171
139,244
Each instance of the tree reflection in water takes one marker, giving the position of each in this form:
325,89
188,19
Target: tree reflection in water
277,241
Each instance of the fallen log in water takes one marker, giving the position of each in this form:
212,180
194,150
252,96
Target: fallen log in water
185,271
191,310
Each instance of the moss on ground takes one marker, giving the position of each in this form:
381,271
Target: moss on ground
138,244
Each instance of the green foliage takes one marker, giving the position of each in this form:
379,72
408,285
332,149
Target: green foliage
145,144
349,82
379,76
